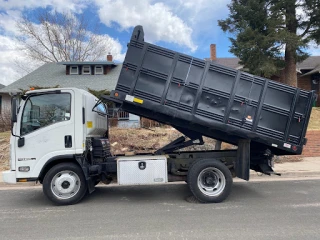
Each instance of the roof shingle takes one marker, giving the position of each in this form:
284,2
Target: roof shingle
52,74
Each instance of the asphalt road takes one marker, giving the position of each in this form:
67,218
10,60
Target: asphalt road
254,210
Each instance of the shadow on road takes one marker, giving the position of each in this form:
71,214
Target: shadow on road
113,194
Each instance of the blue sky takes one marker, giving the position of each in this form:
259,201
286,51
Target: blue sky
186,26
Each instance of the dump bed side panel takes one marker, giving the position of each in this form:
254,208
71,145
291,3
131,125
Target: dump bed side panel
217,101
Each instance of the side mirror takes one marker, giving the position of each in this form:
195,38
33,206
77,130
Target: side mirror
14,110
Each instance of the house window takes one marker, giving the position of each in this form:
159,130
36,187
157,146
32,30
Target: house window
74,70
86,70
98,70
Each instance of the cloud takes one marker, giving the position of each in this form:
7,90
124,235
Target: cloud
112,46
8,55
158,20
8,22
76,6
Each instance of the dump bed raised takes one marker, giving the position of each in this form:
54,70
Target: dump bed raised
212,100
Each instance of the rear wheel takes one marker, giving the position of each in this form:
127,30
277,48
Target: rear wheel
65,184
209,180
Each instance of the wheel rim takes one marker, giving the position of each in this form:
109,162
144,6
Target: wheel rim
211,181
65,184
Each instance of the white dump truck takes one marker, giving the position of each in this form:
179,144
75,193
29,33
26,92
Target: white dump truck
60,136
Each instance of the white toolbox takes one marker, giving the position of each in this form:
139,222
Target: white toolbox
135,170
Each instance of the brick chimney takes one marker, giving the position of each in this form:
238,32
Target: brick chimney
213,52
109,57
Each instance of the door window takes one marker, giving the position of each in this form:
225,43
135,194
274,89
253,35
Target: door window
43,110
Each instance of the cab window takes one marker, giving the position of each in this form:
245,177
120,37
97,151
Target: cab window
43,110
101,108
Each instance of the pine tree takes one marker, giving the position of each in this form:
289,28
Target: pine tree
272,35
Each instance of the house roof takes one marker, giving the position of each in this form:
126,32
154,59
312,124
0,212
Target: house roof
104,63
2,86
52,74
313,71
227,62
310,63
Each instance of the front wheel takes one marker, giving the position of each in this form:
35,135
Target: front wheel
209,180
64,184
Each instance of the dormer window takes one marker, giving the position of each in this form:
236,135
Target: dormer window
74,70
86,70
98,70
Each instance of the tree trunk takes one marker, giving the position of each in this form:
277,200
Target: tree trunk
290,71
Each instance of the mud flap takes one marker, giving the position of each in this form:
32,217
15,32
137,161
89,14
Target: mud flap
90,184
266,169
242,165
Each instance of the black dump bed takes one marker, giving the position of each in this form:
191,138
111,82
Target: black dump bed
202,97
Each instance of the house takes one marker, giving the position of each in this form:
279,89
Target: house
101,75
1,100
308,71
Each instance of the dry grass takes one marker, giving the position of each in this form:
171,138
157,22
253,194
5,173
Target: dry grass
145,141
288,158
314,123
4,150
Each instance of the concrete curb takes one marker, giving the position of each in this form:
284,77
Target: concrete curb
297,174
26,184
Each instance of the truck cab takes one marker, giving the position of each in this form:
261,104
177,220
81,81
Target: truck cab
50,127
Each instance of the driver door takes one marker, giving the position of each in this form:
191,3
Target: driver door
47,126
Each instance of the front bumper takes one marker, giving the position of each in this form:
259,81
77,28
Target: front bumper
9,176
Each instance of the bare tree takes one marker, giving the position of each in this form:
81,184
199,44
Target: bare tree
61,37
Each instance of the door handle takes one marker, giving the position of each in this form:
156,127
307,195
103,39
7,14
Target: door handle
68,141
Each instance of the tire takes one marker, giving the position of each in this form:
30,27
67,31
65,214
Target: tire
209,180
64,184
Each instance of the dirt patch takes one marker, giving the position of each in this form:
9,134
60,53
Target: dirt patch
288,158
4,151
145,140
314,123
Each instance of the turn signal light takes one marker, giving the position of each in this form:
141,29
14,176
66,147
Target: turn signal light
22,180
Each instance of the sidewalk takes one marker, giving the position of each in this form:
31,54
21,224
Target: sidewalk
308,167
